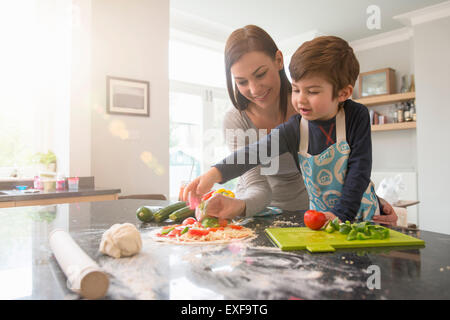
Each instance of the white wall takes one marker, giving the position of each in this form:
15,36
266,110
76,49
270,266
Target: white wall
392,150
432,68
79,155
130,39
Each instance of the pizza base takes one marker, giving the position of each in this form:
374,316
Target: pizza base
249,235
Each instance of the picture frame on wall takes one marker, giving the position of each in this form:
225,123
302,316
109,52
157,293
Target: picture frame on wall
127,96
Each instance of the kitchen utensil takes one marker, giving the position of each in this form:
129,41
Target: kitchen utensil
84,276
288,239
31,191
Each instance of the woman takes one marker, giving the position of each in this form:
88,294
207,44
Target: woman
261,95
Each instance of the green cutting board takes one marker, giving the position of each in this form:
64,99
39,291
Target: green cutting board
320,241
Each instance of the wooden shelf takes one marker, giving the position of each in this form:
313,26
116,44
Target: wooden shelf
386,99
394,126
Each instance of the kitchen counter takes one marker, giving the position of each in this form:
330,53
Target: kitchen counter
16,195
256,269
87,192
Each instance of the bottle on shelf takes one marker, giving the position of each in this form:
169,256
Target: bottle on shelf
400,113
407,112
394,114
413,110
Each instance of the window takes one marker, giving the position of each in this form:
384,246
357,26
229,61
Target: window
35,82
198,102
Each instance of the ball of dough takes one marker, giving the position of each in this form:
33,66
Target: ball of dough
121,240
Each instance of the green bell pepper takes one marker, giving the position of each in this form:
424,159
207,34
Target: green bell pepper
166,231
376,234
210,222
384,233
329,228
184,230
362,236
360,227
344,228
335,224
352,235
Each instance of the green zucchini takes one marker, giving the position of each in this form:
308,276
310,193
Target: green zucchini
181,214
163,214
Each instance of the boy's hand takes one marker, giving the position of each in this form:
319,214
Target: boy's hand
330,215
202,184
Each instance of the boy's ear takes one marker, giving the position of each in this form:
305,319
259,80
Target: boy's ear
345,93
279,59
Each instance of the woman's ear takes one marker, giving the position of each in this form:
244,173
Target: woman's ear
279,60
345,93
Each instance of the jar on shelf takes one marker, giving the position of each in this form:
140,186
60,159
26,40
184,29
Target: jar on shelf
60,183
400,115
37,183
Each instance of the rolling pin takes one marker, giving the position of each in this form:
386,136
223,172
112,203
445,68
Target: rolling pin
84,276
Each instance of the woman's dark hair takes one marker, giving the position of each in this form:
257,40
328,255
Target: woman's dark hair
248,39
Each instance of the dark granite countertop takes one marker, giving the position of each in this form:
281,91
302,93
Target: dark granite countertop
244,270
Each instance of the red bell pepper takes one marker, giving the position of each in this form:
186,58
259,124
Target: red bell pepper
188,221
208,195
198,232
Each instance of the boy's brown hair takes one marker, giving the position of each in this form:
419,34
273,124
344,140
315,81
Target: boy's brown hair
327,56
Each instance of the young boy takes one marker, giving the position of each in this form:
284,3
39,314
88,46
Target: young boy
330,138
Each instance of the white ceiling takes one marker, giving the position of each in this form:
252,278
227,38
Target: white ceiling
286,19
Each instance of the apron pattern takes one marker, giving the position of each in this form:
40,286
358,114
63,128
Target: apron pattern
324,174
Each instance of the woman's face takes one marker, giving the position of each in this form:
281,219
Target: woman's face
257,77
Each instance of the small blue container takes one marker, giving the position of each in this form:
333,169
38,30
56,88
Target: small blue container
21,188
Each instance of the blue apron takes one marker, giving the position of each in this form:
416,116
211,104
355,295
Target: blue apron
324,174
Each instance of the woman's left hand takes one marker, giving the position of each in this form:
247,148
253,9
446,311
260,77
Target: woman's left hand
224,207
388,216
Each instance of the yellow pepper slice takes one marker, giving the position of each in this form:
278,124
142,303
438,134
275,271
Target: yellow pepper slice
225,192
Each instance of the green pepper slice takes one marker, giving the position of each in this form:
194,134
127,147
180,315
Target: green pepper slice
335,223
329,228
376,234
384,233
361,236
184,230
352,235
210,222
360,226
344,228
166,231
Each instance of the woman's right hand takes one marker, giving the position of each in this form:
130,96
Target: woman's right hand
202,184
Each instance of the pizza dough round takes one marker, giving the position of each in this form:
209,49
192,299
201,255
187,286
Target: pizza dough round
121,240
154,236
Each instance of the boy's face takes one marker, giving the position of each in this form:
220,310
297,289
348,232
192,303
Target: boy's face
312,97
